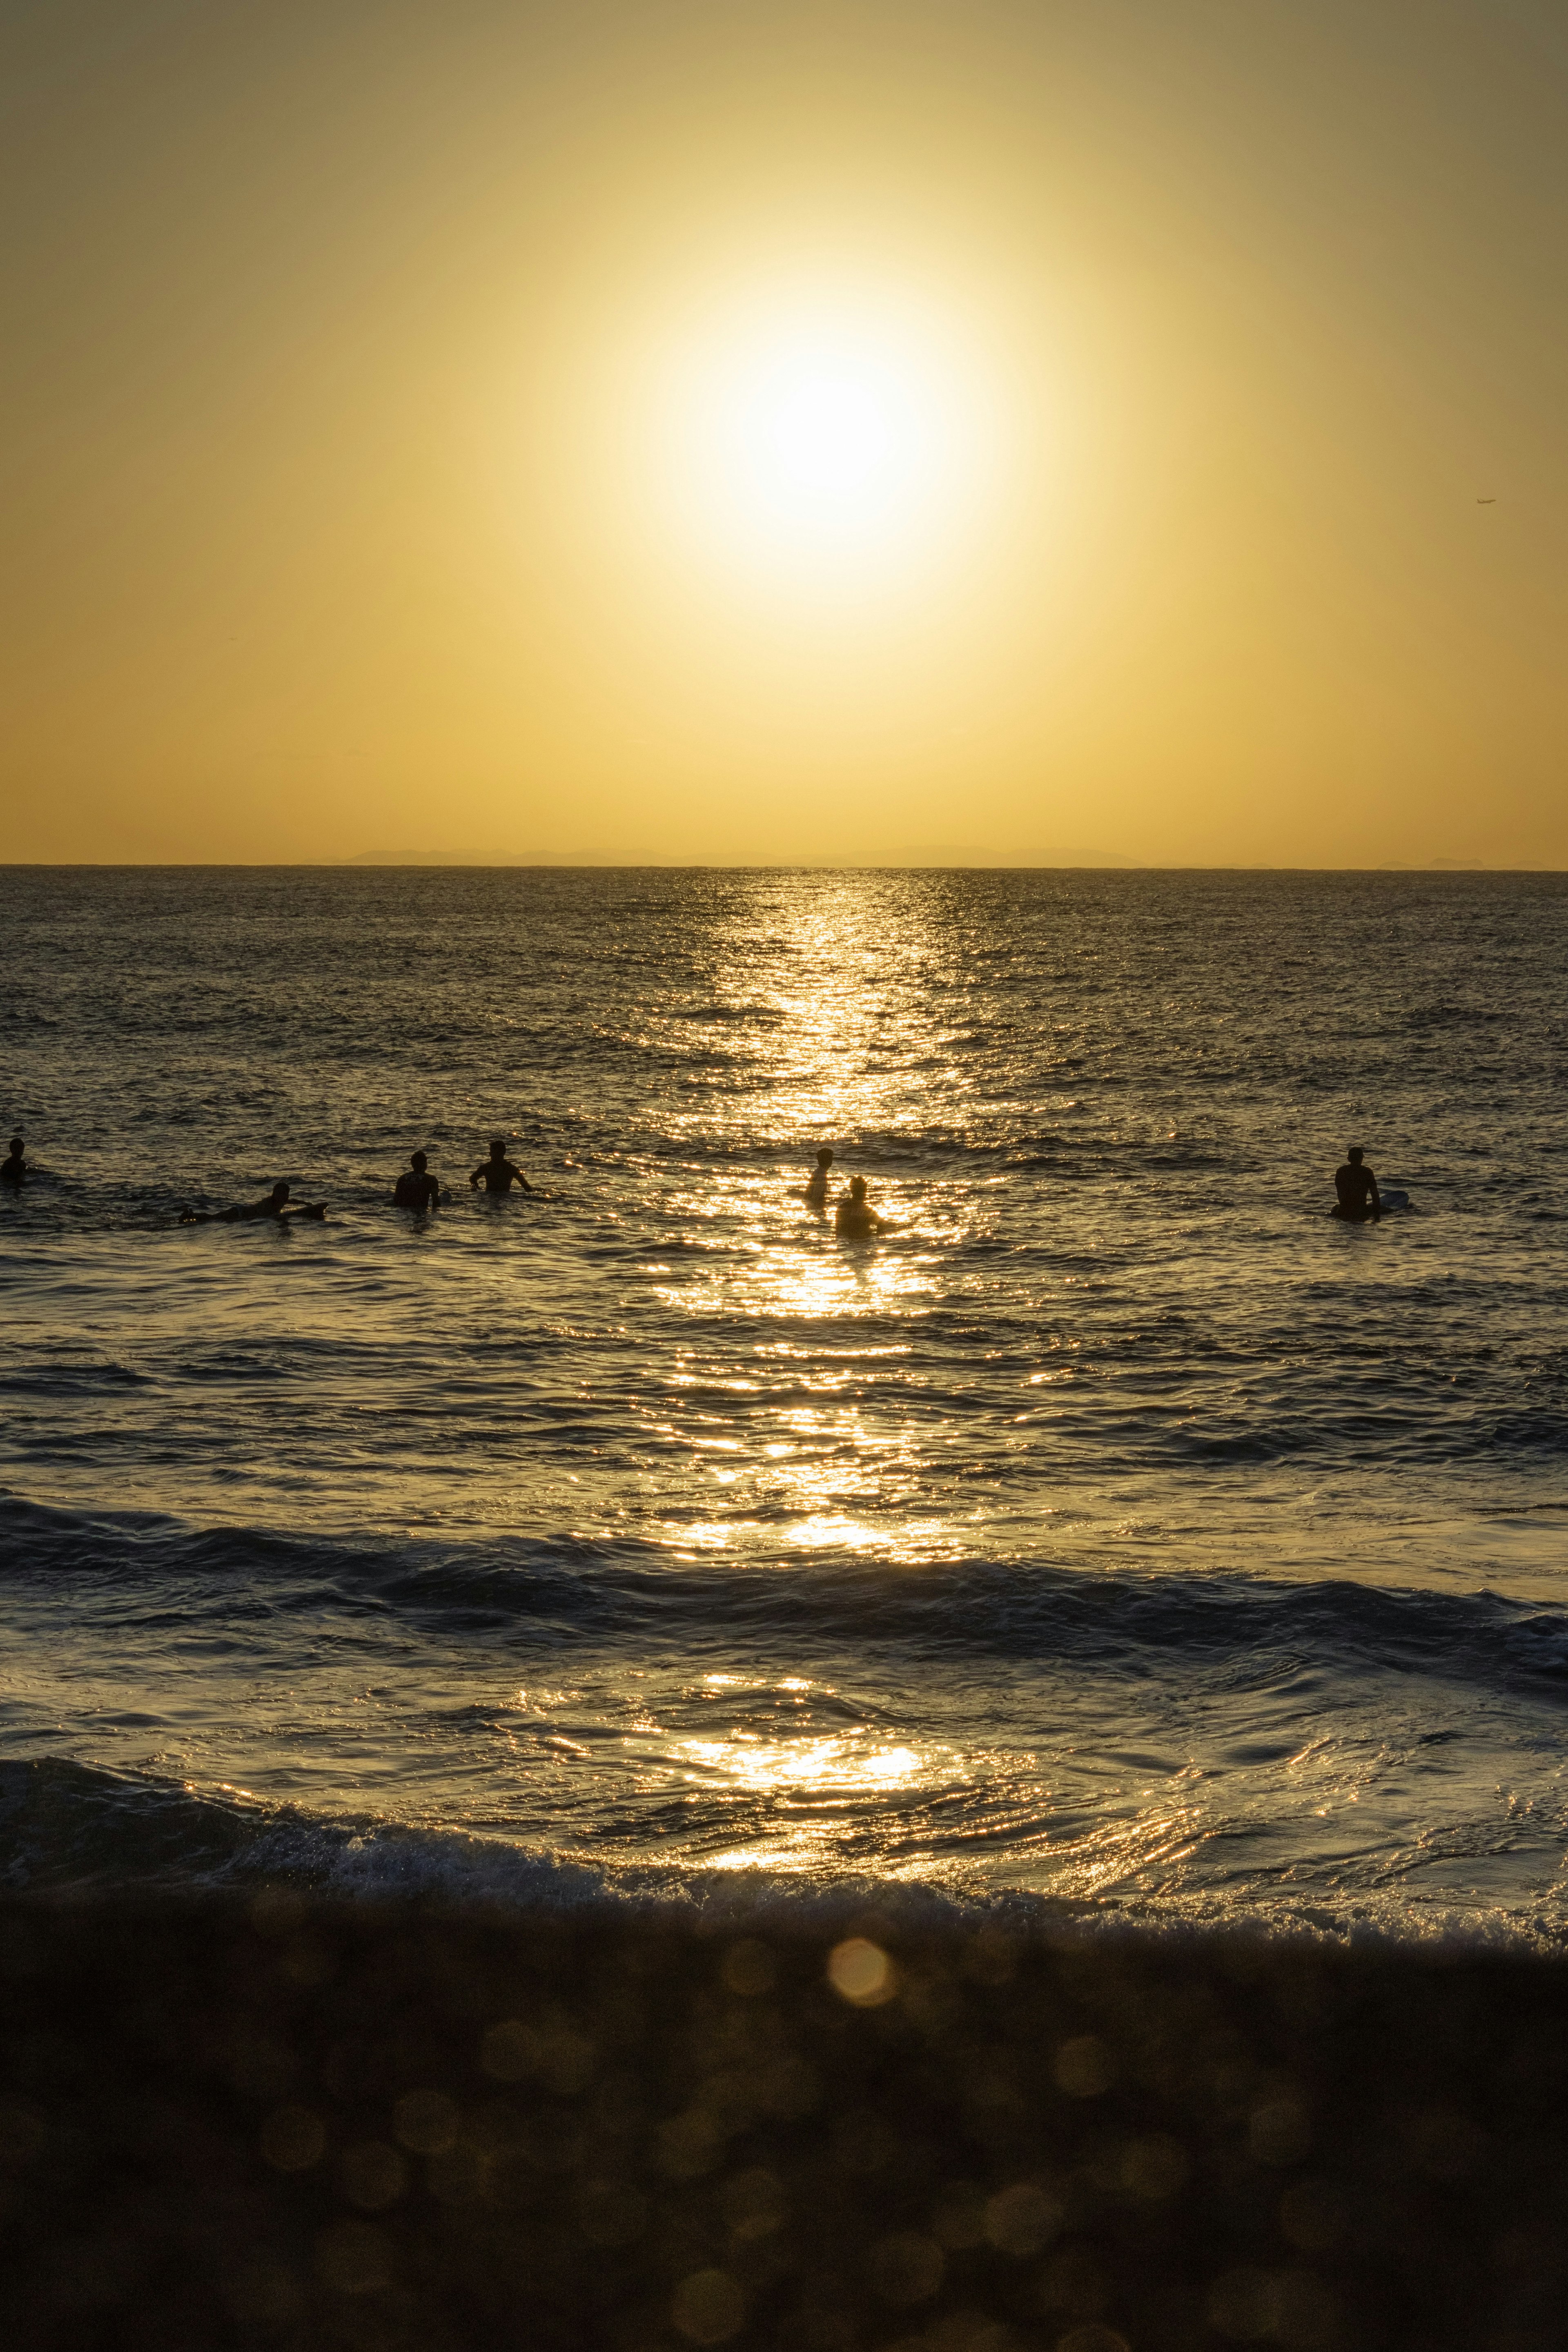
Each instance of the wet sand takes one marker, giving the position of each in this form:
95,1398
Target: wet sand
291,2123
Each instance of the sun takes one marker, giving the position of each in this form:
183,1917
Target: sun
827,437
824,440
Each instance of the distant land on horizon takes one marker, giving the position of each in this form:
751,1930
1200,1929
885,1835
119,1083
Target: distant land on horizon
923,855
938,856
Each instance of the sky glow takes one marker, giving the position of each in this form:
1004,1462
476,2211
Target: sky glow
850,432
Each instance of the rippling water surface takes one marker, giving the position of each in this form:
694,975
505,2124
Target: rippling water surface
1119,1528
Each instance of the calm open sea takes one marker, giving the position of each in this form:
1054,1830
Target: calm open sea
1122,1532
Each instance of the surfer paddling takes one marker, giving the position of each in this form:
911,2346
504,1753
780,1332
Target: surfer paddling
1356,1187
275,1206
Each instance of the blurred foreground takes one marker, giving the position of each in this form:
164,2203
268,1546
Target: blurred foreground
300,2123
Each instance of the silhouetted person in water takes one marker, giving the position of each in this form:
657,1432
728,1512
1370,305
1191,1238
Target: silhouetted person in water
15,1169
275,1206
855,1220
414,1189
496,1173
816,1187
1357,1188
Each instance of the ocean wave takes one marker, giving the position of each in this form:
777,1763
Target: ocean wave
1110,1621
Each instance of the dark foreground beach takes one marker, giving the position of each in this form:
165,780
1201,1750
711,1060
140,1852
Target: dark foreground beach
289,2123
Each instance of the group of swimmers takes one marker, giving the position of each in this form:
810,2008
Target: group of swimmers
416,1188
1357,1198
853,1218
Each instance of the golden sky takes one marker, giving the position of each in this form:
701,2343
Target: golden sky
658,429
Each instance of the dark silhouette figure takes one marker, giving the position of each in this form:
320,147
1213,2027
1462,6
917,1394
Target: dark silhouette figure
496,1173
816,1187
855,1220
414,1189
1357,1189
275,1206
15,1169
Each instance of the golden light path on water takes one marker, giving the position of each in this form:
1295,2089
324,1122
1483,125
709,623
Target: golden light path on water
842,1043
847,1043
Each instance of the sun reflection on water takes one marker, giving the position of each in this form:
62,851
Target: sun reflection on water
834,1016
851,1761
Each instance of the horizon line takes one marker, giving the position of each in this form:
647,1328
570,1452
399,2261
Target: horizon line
374,863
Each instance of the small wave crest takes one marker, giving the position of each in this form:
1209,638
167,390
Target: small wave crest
70,1829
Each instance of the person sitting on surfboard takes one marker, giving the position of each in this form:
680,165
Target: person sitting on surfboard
15,1169
275,1206
1357,1189
496,1173
414,1189
855,1220
816,1185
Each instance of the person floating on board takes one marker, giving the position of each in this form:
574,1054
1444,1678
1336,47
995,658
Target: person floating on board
15,1169
1357,1188
816,1186
414,1189
275,1206
855,1220
496,1173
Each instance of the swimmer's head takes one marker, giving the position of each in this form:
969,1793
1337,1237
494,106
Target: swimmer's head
498,1148
16,1146
280,1191
825,1157
419,1161
1356,1155
858,1187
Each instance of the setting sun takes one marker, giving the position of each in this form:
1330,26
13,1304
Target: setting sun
816,435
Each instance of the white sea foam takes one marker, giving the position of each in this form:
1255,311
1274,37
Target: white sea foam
70,1830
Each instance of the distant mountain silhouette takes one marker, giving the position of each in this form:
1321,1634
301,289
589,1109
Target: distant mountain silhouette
475,857
413,858
946,852
922,853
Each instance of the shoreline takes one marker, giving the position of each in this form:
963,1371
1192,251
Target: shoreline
299,2122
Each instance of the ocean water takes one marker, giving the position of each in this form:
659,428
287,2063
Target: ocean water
1119,1538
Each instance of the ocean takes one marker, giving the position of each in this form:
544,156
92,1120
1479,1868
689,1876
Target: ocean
1118,1540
